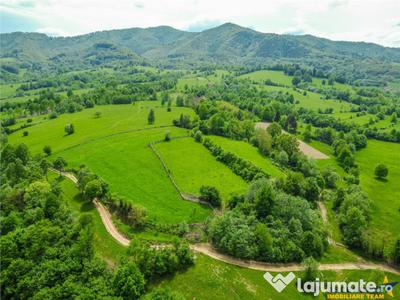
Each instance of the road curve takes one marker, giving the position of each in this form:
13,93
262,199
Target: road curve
210,251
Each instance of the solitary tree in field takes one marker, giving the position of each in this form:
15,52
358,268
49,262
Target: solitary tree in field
151,117
167,135
381,170
69,128
97,114
59,164
47,150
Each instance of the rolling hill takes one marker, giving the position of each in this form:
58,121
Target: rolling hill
228,44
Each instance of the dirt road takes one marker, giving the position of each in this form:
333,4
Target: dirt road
209,250
305,148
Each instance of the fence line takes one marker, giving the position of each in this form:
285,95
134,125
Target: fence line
111,134
186,197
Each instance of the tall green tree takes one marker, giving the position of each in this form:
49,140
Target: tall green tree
381,170
151,117
93,189
265,201
60,164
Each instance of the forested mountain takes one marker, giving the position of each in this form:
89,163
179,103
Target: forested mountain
228,45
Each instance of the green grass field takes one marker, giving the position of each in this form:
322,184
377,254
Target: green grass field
8,89
217,79
384,193
191,166
191,81
212,279
247,151
114,118
134,171
312,100
275,76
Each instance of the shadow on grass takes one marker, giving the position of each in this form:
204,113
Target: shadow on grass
87,207
169,277
381,179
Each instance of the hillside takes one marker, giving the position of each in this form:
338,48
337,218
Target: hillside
228,45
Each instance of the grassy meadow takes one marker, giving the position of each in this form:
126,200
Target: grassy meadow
134,171
191,166
114,118
384,193
275,76
212,279
247,151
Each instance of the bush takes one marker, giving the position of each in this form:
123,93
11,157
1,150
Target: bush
29,120
211,195
26,133
53,115
198,136
47,150
167,135
69,128
137,216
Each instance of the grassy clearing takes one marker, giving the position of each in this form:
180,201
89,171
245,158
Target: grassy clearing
275,76
336,254
191,165
312,100
315,101
114,118
247,151
105,244
8,89
212,279
142,234
336,85
192,81
217,79
384,193
133,170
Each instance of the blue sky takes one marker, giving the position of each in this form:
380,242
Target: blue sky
349,20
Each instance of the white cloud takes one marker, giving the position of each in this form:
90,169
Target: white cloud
367,20
51,31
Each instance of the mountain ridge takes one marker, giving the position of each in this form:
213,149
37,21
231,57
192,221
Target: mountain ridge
228,44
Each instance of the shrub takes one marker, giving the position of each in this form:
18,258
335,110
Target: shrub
53,115
198,136
167,135
211,195
29,120
26,133
69,128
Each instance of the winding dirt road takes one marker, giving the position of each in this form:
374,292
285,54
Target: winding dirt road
210,251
